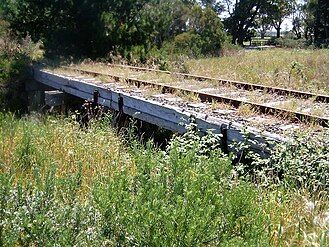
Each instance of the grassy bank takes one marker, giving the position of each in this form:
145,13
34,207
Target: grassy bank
61,185
296,69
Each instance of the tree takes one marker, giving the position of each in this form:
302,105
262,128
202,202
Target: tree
316,19
278,10
320,11
77,27
263,19
298,19
3,23
242,17
207,24
215,5
93,28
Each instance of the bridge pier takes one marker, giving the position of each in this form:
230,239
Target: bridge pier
41,97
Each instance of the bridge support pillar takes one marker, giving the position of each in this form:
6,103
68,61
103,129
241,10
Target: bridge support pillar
42,98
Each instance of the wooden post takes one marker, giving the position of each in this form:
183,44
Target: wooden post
55,98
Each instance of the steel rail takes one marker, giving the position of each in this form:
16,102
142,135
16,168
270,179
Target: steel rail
238,84
206,97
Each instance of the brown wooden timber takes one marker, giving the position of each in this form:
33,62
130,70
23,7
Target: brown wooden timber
206,97
238,84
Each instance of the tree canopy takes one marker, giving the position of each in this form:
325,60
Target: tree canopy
95,28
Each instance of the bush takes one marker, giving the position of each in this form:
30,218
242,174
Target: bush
187,43
302,162
183,197
61,185
299,163
289,41
84,195
229,49
15,56
39,212
205,36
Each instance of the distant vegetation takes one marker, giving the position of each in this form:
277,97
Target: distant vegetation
148,29
15,54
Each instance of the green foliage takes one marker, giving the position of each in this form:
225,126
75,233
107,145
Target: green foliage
297,70
189,44
15,56
277,11
132,29
192,140
317,21
204,35
242,19
299,163
39,212
181,197
60,185
290,42
303,162
184,196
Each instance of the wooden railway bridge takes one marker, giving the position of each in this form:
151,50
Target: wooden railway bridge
49,88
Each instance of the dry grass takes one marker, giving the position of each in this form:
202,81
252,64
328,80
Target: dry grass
298,219
218,105
246,110
296,69
61,144
305,106
306,70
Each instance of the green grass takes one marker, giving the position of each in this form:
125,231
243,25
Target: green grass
62,185
306,70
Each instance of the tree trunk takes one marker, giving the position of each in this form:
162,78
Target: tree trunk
326,31
240,40
278,32
262,34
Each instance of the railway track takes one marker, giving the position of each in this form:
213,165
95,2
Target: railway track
295,116
238,84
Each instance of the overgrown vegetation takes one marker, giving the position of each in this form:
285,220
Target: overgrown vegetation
15,55
63,185
306,70
67,186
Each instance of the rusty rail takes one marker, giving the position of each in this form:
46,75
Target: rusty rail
206,97
238,84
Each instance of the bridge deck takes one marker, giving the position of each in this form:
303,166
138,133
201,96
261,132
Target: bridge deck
163,115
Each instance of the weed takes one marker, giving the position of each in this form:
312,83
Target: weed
246,110
273,68
62,185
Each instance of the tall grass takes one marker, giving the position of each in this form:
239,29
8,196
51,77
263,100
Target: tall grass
296,69
61,185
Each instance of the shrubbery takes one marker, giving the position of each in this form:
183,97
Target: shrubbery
289,41
302,162
15,56
66,186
